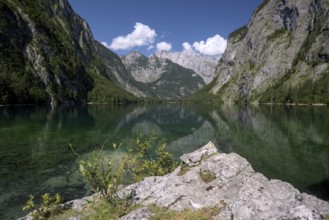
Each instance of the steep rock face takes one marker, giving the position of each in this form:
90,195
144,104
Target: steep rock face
282,55
144,69
116,71
48,54
204,66
161,78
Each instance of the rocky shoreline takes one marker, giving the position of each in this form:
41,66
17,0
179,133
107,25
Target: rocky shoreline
207,178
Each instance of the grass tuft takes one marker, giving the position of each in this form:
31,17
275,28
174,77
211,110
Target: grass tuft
201,214
184,168
207,176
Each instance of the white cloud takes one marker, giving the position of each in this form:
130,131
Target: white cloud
105,44
215,45
187,47
142,35
164,46
150,47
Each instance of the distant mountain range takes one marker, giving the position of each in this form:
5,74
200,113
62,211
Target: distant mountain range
48,55
161,77
203,65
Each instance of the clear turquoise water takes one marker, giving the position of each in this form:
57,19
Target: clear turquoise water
288,143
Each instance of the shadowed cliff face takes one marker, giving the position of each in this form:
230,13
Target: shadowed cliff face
48,54
281,55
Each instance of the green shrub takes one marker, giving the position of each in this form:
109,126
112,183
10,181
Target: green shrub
148,158
49,206
103,174
106,176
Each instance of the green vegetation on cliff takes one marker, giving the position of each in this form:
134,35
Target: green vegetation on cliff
203,95
307,92
238,34
17,84
47,54
281,56
106,91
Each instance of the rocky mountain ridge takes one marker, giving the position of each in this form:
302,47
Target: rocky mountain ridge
48,55
203,65
280,56
161,78
117,71
142,68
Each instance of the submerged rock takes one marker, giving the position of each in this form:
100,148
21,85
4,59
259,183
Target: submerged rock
234,186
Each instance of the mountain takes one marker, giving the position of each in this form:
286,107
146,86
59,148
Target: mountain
142,68
280,56
203,65
116,71
161,78
48,55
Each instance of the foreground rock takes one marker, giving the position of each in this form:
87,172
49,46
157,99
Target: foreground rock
207,178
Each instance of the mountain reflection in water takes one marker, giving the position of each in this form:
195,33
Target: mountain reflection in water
287,143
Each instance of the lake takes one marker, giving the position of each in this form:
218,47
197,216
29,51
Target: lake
290,143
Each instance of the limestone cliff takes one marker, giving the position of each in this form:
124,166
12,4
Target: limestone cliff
203,65
161,78
281,55
48,54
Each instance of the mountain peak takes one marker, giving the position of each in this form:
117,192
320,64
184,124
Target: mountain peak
161,77
134,54
203,65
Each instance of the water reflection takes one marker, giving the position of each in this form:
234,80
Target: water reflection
289,143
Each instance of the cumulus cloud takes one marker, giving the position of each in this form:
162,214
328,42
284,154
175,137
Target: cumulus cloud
187,47
213,46
105,44
142,35
163,46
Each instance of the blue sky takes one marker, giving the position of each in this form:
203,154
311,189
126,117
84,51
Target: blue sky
150,25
